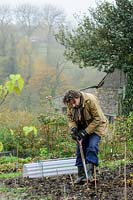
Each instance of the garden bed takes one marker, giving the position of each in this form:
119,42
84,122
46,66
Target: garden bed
110,186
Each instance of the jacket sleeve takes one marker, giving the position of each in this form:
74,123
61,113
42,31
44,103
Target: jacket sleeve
96,114
71,122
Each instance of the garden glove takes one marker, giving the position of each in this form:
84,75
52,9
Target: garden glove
82,134
74,133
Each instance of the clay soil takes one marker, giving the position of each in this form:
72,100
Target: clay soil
110,186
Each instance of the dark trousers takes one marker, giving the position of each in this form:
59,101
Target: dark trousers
90,149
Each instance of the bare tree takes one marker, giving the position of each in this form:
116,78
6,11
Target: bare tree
51,19
7,42
27,21
27,17
5,23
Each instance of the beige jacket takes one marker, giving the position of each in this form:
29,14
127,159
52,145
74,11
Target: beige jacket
93,115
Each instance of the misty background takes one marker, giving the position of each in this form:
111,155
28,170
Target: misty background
28,47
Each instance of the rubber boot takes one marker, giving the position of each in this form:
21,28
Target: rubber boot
90,171
81,176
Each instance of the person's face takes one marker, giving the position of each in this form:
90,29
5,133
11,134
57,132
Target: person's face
75,102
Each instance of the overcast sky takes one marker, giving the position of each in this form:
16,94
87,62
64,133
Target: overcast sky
69,6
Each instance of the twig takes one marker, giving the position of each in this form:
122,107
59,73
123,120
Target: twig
125,180
71,180
3,99
64,190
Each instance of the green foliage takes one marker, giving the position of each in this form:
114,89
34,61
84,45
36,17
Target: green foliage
12,135
53,118
13,159
57,142
1,146
127,103
66,149
112,164
20,136
124,126
112,147
53,139
9,165
8,140
13,85
29,129
49,197
10,175
104,39
62,148
8,159
44,153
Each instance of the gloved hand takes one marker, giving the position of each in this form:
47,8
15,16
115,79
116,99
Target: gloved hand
74,133
82,134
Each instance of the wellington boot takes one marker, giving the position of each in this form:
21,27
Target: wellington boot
90,171
81,176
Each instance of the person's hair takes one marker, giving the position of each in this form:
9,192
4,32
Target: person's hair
70,95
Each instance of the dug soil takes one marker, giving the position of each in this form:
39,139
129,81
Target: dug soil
111,185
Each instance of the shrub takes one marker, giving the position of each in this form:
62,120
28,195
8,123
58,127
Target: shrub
53,139
113,145
12,135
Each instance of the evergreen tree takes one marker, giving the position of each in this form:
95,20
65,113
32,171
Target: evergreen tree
104,39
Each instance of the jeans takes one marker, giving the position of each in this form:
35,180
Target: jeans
90,149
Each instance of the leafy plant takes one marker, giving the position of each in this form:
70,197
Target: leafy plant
28,129
44,152
10,175
13,85
112,146
8,159
1,146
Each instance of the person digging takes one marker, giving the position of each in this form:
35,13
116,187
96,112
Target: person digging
88,123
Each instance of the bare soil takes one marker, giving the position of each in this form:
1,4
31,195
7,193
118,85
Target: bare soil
110,185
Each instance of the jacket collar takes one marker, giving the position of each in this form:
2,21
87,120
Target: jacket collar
84,98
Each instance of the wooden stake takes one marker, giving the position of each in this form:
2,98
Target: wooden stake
95,177
71,180
125,179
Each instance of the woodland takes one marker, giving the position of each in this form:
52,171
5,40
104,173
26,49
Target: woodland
28,47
